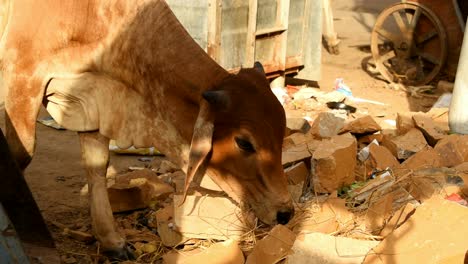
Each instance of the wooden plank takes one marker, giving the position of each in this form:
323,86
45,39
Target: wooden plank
282,21
214,29
251,31
270,31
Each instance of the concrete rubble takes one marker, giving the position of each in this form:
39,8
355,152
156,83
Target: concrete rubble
357,184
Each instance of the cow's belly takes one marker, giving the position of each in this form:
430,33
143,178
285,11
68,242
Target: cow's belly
92,102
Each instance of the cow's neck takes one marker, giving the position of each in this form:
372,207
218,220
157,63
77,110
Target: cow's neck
158,58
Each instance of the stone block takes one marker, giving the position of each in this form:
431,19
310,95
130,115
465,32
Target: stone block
296,173
381,158
326,125
404,146
361,125
430,131
333,163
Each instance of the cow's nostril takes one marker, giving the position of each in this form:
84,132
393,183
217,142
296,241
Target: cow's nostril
283,217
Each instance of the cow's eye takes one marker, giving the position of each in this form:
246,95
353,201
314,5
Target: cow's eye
245,145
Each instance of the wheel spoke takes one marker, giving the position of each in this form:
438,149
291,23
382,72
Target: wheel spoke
385,57
415,19
428,57
387,35
427,36
399,20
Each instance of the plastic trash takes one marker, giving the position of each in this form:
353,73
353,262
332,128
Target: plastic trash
443,101
281,94
341,87
363,155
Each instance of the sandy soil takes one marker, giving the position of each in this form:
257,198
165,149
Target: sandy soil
56,176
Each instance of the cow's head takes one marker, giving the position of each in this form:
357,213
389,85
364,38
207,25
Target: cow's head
238,136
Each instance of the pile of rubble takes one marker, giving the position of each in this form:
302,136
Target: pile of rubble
362,194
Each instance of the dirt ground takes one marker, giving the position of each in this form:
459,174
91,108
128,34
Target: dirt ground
55,175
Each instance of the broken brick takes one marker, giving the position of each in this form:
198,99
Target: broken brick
361,125
333,163
296,124
135,190
428,128
297,138
440,118
295,153
381,158
295,190
402,147
426,158
453,150
296,173
404,122
274,247
369,138
326,125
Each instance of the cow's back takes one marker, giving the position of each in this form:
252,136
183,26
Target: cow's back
152,70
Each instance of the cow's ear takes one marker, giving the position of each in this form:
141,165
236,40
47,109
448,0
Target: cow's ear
200,146
259,67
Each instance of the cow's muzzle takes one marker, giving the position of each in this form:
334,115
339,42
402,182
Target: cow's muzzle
283,216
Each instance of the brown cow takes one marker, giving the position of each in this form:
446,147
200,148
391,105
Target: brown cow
128,70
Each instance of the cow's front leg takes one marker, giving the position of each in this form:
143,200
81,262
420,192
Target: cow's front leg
95,156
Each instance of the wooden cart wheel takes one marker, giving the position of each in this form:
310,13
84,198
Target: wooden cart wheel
409,44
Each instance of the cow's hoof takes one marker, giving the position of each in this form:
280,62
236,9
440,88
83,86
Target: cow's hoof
125,253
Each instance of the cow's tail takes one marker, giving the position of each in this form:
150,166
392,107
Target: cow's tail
4,16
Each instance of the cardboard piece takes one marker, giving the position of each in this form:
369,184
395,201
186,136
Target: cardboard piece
208,217
166,227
